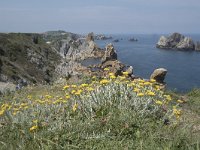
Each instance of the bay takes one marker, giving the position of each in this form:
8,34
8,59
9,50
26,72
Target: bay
183,66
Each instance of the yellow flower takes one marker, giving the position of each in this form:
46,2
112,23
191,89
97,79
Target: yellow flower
35,121
84,85
90,89
157,87
147,83
73,91
75,106
141,80
150,93
152,80
140,94
48,96
113,77
180,101
73,86
2,112
177,113
136,90
168,97
111,74
29,96
159,102
125,73
122,77
65,87
104,81
106,69
33,128
94,77
67,97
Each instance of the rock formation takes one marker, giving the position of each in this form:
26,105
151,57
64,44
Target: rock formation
76,48
176,41
102,37
197,46
110,53
133,39
159,75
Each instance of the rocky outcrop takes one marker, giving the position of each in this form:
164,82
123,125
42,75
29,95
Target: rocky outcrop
133,39
76,48
110,53
102,37
116,40
114,66
197,46
176,41
159,75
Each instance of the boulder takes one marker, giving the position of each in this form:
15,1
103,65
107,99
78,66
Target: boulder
159,75
129,70
110,53
176,41
114,66
197,46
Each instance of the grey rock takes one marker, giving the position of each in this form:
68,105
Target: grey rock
197,46
129,70
159,75
176,41
102,37
187,44
110,53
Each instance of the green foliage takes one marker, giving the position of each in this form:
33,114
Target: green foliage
105,114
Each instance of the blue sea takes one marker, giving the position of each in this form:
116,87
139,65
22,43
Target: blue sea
183,66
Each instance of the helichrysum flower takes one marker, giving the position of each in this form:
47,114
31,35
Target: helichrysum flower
84,85
159,102
125,73
104,81
66,87
152,80
113,77
180,101
75,106
140,94
136,90
73,86
106,69
33,128
150,93
67,97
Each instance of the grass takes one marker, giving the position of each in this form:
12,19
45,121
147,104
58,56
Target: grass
107,113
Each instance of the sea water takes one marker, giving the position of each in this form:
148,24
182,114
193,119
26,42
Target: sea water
183,66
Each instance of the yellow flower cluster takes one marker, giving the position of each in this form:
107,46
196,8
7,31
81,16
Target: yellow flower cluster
71,94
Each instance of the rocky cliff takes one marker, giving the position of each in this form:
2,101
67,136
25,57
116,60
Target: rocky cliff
72,46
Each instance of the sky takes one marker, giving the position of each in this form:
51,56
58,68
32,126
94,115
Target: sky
101,16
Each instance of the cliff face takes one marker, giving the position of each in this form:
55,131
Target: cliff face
26,57
73,47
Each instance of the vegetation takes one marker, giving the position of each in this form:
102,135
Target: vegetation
26,56
101,113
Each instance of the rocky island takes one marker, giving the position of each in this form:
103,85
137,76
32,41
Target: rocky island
177,41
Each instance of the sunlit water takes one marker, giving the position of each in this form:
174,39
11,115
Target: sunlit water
183,67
